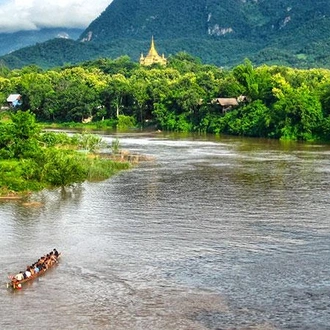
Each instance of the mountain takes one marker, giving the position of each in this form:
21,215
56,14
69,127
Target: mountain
288,32
17,40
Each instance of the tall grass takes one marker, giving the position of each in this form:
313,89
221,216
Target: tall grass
100,169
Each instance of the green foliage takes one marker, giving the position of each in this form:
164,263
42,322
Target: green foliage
52,139
250,120
18,139
115,146
220,32
255,83
31,160
184,63
90,142
297,114
106,123
125,122
100,169
63,168
161,115
19,176
324,131
274,101
10,175
122,65
183,124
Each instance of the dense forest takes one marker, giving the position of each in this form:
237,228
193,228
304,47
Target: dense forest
283,32
274,101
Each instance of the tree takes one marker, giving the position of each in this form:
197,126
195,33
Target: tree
114,93
35,87
297,113
184,62
255,120
63,168
5,89
246,76
257,83
21,136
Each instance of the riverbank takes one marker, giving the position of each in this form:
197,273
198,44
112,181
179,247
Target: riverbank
13,195
126,156
111,163
42,160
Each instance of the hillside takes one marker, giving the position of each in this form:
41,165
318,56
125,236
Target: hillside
289,32
239,19
13,41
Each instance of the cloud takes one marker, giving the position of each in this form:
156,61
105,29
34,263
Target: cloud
17,15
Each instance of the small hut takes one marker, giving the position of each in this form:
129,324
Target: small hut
14,100
226,103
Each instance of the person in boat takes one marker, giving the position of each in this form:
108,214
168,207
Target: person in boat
36,268
53,258
19,276
14,283
55,253
31,269
48,263
27,273
40,263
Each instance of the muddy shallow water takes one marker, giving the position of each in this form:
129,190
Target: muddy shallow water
210,234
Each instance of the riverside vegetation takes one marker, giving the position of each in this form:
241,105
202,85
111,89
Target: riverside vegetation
31,160
281,102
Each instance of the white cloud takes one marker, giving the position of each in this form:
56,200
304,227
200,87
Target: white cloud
17,15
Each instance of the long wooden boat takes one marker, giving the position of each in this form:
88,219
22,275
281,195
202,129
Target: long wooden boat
17,285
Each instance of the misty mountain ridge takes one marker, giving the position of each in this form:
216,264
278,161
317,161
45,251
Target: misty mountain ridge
288,32
13,41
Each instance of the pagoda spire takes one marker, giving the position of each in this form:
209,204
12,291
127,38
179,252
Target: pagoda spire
153,51
152,56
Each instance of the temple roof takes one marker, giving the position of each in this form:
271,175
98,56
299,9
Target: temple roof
153,56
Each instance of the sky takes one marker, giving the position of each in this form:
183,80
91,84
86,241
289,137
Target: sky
18,15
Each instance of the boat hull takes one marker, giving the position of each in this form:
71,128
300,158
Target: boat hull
17,285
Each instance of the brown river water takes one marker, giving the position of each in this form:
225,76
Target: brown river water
211,233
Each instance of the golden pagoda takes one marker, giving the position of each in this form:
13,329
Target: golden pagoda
152,56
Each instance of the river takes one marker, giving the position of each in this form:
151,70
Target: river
210,233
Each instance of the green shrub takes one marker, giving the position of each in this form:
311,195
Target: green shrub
125,122
100,169
63,168
115,146
90,142
51,139
107,123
